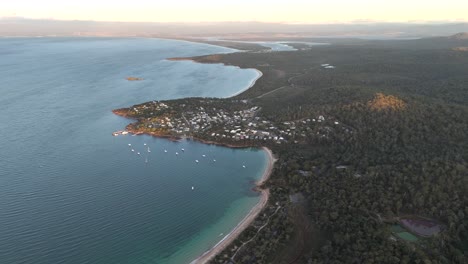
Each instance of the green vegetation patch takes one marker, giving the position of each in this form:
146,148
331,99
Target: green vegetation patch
407,236
397,229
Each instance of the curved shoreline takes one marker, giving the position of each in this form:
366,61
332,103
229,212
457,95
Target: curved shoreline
252,83
253,213
265,193
247,220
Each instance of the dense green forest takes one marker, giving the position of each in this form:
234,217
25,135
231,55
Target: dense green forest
401,149
390,162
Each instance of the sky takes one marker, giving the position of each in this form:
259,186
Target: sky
285,11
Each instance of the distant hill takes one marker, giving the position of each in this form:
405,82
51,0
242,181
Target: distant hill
458,42
460,49
460,36
14,26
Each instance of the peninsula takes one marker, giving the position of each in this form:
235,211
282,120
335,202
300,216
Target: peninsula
365,133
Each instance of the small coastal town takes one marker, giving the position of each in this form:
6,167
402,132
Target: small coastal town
236,122
329,145
234,132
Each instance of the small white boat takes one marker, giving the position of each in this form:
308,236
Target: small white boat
133,150
129,144
203,155
177,153
193,188
138,153
214,160
165,151
144,144
196,161
243,166
183,149
149,151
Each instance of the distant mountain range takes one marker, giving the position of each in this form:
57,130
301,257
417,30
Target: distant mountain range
37,27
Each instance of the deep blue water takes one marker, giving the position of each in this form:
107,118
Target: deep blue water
72,193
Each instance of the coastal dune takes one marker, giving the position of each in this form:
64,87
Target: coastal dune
248,219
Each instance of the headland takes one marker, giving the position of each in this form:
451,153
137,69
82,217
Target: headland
164,129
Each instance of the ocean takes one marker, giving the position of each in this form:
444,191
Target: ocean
70,192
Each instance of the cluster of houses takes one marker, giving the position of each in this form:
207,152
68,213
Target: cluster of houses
246,125
207,121
222,123
155,106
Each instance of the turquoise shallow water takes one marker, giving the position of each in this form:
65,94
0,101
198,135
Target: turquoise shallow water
72,193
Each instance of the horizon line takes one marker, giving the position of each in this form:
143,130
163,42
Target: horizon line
351,22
